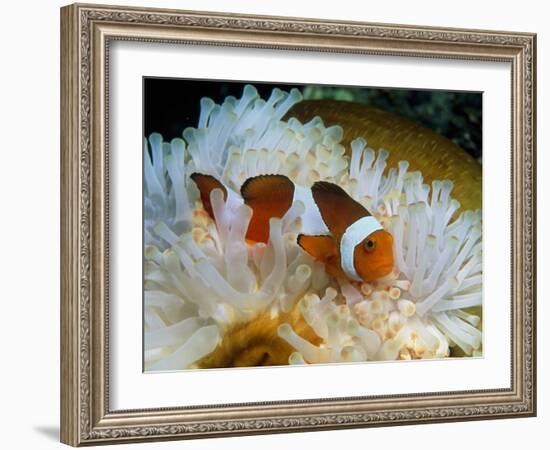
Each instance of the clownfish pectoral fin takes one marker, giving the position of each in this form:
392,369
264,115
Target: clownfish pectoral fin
268,196
206,184
324,249
337,208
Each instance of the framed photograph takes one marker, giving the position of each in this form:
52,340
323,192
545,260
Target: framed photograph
277,225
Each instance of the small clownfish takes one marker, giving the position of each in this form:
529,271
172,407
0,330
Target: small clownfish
337,230
358,247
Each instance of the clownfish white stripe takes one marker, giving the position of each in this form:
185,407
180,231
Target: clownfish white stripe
353,235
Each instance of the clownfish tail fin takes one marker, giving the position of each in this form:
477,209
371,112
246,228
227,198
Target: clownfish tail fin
268,196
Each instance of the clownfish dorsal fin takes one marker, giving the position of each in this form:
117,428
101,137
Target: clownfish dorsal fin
206,184
337,208
268,196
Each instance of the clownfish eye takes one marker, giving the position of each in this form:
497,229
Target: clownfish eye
370,245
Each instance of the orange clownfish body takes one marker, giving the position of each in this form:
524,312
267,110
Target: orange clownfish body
341,233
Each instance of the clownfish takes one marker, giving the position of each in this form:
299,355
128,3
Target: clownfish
337,230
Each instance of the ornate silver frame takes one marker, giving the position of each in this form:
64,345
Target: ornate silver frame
86,32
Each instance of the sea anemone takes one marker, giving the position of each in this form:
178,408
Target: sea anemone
212,299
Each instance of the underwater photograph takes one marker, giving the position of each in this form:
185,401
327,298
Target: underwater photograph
290,224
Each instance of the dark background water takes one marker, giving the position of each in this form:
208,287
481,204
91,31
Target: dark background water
171,105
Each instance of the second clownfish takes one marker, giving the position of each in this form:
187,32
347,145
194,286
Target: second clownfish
338,231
